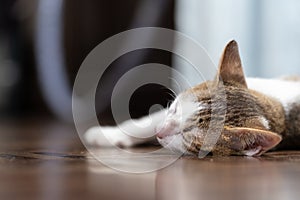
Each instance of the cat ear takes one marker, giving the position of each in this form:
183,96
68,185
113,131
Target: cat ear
230,66
249,141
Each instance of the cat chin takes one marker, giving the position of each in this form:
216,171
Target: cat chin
173,143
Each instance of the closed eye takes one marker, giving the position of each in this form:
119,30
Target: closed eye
172,110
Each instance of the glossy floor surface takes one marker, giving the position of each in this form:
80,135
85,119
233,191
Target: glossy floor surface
47,161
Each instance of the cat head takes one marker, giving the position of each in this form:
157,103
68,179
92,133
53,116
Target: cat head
221,115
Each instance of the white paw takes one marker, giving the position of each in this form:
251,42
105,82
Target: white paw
107,136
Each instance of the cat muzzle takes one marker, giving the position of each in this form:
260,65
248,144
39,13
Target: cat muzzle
167,129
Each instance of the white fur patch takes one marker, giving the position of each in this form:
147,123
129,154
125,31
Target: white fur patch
253,152
264,122
106,136
285,91
186,106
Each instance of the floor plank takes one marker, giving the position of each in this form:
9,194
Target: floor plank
46,160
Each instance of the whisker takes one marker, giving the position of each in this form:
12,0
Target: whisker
172,94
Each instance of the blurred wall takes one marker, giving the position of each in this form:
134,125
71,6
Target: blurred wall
267,31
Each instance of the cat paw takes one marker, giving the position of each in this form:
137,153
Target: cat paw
107,137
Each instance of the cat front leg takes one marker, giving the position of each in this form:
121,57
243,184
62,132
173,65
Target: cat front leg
126,134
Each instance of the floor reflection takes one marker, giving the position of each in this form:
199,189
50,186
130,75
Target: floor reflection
111,184
135,160
228,178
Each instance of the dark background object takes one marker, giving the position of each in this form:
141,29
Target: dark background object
98,20
13,57
85,25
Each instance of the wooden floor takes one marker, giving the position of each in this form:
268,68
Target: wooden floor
41,160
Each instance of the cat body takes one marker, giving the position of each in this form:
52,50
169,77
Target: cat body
287,91
230,115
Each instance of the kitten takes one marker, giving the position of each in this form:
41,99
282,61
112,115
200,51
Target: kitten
251,116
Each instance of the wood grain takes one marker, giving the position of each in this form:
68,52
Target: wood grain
46,160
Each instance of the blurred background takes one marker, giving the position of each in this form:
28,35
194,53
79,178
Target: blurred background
44,42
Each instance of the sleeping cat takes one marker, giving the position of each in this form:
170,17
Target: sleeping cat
244,116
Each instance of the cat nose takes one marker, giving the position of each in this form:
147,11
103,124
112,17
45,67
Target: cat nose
167,129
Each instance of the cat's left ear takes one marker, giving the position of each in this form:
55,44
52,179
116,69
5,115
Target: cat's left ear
230,66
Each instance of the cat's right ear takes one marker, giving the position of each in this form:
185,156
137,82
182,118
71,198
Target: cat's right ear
230,66
248,141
